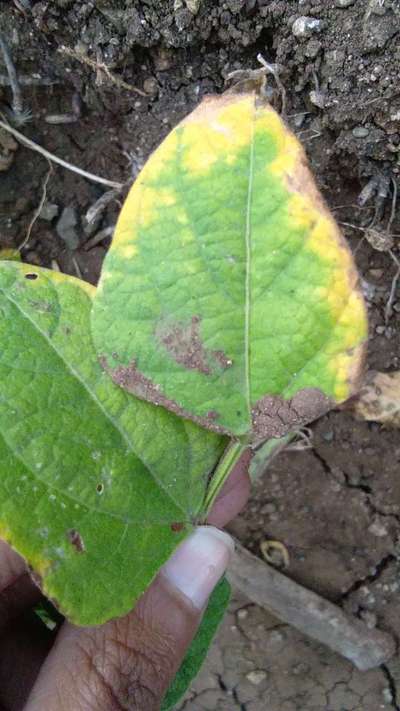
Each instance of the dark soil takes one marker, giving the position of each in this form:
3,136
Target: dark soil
336,506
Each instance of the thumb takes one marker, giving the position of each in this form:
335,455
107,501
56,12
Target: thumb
129,663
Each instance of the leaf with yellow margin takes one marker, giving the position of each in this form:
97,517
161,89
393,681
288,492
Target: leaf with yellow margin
229,295
97,488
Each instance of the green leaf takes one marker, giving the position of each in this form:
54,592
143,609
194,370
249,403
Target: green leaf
228,294
197,651
96,488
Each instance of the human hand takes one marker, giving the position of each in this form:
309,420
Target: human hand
127,663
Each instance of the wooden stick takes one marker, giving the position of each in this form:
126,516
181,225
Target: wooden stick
308,612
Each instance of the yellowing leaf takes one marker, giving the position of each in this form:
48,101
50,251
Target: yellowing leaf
228,295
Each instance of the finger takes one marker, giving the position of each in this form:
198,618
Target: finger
11,565
17,591
129,663
24,641
24,644
234,493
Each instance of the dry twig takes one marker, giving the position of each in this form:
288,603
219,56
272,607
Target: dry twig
17,103
55,159
100,67
274,70
38,209
389,303
308,612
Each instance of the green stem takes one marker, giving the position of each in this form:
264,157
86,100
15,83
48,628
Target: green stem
228,460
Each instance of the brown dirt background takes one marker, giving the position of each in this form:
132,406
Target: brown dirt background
336,506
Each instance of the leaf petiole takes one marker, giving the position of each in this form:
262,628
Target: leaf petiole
227,462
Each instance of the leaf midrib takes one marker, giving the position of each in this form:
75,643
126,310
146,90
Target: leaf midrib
248,245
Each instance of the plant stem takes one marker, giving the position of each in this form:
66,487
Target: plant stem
228,460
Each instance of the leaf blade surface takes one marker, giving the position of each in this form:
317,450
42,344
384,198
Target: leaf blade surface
250,320
97,488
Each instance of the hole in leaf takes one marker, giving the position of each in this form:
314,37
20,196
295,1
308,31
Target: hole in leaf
32,276
100,488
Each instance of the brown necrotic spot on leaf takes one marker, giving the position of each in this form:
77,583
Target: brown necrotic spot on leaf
274,417
177,526
31,276
131,379
183,343
212,415
76,540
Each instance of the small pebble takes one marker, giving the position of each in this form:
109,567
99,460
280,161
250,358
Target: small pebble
378,529
387,695
327,436
368,289
306,26
380,330
242,614
49,211
268,509
301,669
376,273
344,3
317,98
150,85
193,6
360,132
66,228
256,677
396,307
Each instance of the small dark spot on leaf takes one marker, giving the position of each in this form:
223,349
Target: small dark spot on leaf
100,488
67,330
212,415
177,526
76,540
31,276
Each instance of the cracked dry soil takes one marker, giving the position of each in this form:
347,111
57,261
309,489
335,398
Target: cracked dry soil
336,507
